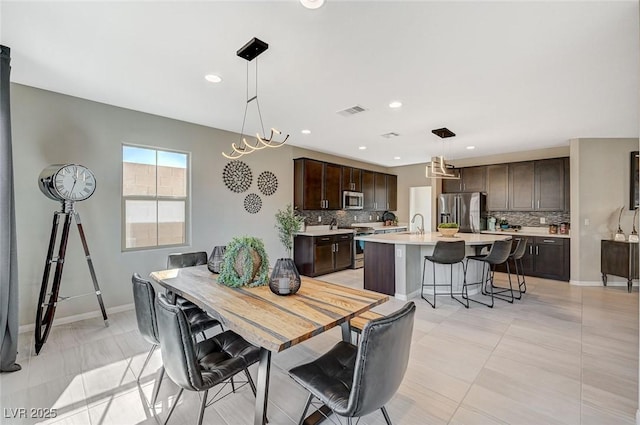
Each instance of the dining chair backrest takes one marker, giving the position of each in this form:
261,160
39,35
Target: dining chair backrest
144,301
500,251
383,355
448,252
186,259
520,249
177,346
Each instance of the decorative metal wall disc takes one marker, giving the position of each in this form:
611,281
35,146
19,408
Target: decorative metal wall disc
237,176
267,183
252,203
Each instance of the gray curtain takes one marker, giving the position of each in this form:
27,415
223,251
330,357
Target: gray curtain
8,254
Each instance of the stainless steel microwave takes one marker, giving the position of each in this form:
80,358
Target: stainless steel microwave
352,200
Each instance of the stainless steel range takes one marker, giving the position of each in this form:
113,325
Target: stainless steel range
358,246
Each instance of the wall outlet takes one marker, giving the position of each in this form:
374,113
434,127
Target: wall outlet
543,220
355,218
319,219
399,253
377,217
369,218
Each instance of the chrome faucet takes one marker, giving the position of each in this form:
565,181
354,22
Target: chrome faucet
332,224
419,230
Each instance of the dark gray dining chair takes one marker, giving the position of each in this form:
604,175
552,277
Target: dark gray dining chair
144,301
354,381
498,254
516,256
445,253
202,366
186,259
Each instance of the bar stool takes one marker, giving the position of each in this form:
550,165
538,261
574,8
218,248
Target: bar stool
499,253
445,253
516,257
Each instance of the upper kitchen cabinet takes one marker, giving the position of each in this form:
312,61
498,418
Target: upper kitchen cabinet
392,192
472,179
351,179
498,187
549,193
567,185
380,191
317,185
537,185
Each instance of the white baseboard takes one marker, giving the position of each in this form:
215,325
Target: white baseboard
638,417
78,317
597,283
407,297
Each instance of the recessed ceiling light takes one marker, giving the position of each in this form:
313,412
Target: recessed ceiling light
306,131
213,78
362,148
471,147
396,157
312,4
395,104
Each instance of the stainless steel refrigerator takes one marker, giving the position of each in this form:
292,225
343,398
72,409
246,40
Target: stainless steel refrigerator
466,209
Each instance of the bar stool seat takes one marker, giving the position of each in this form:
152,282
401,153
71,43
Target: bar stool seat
498,254
445,253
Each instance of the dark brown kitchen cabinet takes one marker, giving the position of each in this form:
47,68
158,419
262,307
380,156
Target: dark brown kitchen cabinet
318,255
368,190
567,185
545,257
392,192
380,192
376,190
619,258
549,185
521,186
497,187
537,185
317,185
472,179
351,179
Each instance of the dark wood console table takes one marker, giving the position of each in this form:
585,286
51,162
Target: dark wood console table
619,259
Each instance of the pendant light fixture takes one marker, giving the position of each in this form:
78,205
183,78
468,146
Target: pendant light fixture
438,167
251,51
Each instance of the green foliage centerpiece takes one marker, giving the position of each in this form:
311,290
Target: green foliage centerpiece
245,263
285,279
448,230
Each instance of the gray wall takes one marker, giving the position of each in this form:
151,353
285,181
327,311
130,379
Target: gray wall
50,128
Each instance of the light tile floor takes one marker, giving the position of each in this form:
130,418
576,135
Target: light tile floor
562,355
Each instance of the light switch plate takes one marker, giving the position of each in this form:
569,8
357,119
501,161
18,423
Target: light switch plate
399,253
543,220
319,219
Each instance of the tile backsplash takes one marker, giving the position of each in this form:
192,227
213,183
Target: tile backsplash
532,218
343,217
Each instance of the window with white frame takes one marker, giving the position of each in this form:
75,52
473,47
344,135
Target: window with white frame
155,187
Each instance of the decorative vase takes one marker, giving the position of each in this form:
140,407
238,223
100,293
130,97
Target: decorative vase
285,279
256,262
216,258
448,232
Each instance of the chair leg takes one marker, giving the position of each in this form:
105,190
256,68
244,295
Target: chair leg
175,403
156,388
386,415
251,384
203,405
233,385
424,269
304,411
524,283
463,290
146,361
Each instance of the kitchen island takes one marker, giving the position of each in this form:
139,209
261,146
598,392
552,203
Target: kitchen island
394,261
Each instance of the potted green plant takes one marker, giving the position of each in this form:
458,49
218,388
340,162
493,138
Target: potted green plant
285,279
245,263
504,224
288,223
448,229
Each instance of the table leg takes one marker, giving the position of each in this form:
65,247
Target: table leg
262,396
604,279
346,331
629,285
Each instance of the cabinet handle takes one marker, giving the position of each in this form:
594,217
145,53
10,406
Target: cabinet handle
537,250
336,247
387,205
532,204
333,247
464,187
549,241
538,203
530,250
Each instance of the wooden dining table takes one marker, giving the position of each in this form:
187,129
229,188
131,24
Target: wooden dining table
269,321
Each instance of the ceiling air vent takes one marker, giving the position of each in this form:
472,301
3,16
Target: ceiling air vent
351,111
390,135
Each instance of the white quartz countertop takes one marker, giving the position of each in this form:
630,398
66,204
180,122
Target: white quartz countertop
323,231
527,231
430,238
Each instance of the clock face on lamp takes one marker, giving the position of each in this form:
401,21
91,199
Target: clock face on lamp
70,182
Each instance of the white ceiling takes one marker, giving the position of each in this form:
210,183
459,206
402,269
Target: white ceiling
504,76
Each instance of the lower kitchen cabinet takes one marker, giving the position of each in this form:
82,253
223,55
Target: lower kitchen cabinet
318,255
548,258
